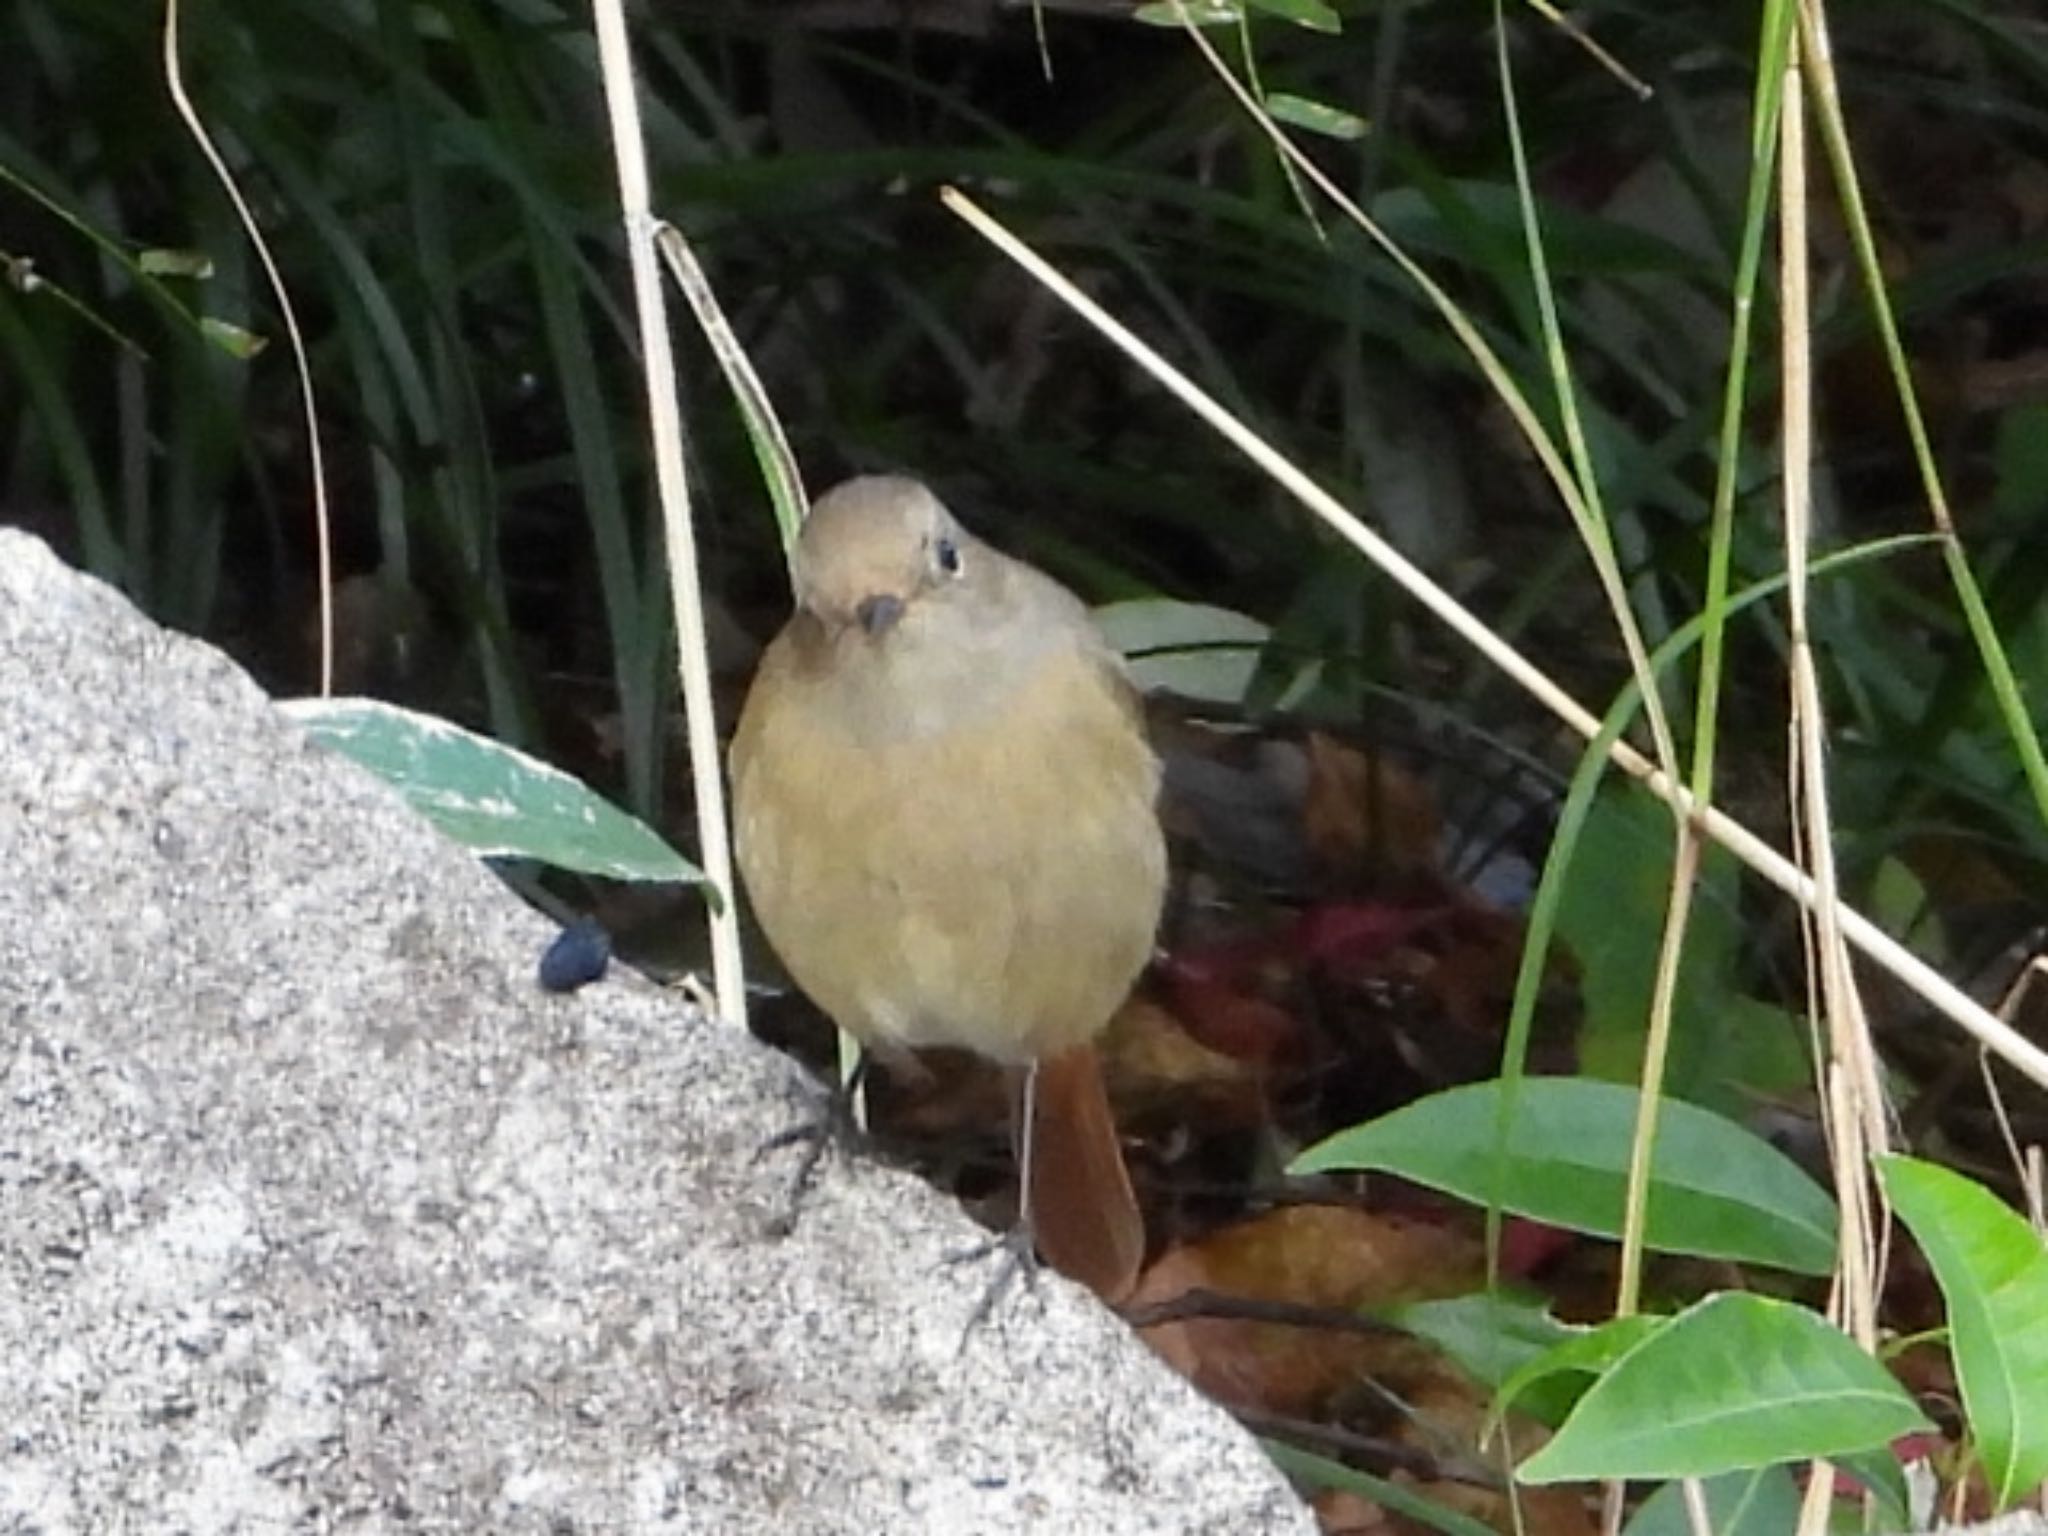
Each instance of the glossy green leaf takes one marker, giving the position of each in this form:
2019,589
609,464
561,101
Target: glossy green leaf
1581,1352
1993,1270
1314,1471
1900,903
1312,14
1763,1502
1497,1339
487,797
232,339
1716,1189
1490,1337
161,261
1611,916
1315,116
1190,649
1202,13
1882,1476
1734,1382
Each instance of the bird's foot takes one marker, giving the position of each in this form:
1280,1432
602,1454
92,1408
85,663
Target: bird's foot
831,1125
1016,1257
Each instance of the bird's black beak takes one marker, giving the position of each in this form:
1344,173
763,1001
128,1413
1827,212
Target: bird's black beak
878,614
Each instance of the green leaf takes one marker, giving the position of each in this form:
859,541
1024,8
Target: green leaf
1716,1190
1735,1381
1511,1345
1313,14
1190,649
1489,1336
1993,1270
1885,1480
1584,1352
1202,13
1313,1471
1762,1502
1315,116
161,262
494,801
1760,1052
1899,903
1612,917
232,339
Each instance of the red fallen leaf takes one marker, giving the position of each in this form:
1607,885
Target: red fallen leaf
1215,992
1349,934
1229,962
1526,1246
1224,992
1334,935
1918,1446
1236,1024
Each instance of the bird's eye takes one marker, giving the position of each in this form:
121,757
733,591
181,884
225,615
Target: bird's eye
947,554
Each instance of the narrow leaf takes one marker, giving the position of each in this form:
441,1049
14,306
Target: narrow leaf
1313,14
232,339
1884,1479
1314,1471
1993,1270
161,261
1489,1336
1716,1189
1200,13
1190,649
1764,1502
1315,116
487,797
1583,1352
1511,1345
1734,1382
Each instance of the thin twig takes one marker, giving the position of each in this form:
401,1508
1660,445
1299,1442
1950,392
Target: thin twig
615,64
1203,1304
174,78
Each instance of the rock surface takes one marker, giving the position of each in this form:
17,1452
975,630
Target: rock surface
316,1213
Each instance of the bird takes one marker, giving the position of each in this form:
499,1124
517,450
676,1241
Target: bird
945,818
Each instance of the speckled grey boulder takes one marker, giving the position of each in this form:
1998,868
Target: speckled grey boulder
316,1214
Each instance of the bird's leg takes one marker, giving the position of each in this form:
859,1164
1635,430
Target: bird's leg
833,1123
1017,1246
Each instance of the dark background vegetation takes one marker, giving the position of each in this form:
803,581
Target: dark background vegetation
434,177
436,182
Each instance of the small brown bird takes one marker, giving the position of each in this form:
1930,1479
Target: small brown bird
945,816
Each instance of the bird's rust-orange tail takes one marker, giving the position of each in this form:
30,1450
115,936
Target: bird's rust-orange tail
1083,1213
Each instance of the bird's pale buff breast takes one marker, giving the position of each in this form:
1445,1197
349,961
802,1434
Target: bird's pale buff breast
995,887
